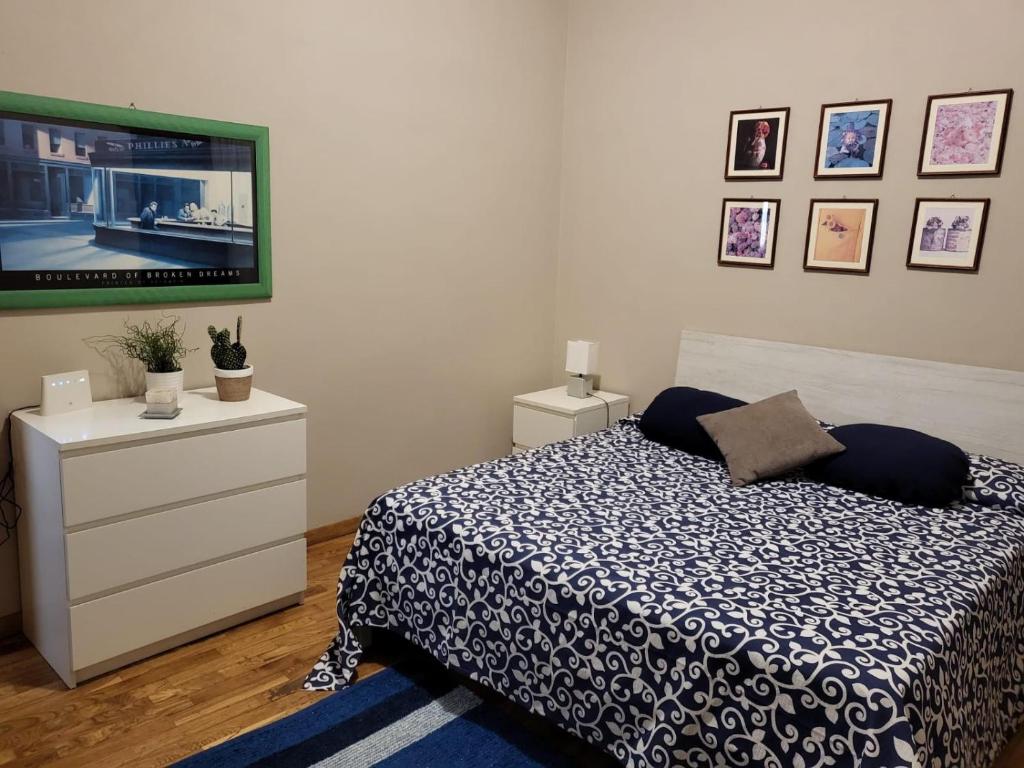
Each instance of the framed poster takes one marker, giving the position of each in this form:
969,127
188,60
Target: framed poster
108,205
840,234
756,149
851,140
747,237
947,234
965,134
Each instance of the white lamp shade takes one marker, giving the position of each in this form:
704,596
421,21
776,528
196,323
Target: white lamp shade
581,357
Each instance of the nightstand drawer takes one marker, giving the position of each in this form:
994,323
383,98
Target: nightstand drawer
531,427
112,483
111,556
110,626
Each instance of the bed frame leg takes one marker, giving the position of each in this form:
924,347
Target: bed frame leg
364,635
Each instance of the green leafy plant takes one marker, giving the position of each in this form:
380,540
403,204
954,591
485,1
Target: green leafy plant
227,356
159,346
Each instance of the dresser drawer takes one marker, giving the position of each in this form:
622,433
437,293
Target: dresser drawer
531,427
112,483
110,626
111,556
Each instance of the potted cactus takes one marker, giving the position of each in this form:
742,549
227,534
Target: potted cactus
232,373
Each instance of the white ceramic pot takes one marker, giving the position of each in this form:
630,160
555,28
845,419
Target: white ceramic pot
172,380
233,385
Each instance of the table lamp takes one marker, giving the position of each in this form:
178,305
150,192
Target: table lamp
581,365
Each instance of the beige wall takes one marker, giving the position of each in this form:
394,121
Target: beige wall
418,223
649,87
415,158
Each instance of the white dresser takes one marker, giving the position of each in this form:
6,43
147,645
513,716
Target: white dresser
140,534
550,415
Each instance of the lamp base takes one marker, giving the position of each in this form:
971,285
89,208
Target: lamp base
579,386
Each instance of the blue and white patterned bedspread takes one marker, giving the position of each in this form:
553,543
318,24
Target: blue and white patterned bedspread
629,593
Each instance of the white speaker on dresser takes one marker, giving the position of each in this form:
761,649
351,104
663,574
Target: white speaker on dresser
139,535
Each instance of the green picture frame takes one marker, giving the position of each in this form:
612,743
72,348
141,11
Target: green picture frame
39,108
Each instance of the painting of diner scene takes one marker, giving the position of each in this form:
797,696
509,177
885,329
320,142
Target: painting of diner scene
83,197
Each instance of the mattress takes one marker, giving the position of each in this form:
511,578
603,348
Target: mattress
627,592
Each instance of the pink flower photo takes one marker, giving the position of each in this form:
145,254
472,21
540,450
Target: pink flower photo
963,133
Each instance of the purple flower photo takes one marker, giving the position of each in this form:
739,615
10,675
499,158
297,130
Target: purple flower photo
748,232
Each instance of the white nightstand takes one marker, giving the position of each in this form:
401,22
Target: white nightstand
551,415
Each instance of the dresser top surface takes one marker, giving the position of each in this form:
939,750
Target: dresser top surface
557,400
107,422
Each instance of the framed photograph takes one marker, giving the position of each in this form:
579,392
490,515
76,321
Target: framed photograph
747,237
947,234
108,205
840,234
757,144
965,134
851,139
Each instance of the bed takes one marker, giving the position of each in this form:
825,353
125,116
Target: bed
627,592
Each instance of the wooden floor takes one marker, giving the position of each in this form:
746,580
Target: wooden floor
165,708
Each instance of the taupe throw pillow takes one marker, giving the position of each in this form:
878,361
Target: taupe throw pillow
768,438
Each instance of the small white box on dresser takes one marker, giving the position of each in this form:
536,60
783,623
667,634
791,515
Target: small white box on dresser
139,535
550,415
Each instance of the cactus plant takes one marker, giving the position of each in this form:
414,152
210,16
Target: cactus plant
227,356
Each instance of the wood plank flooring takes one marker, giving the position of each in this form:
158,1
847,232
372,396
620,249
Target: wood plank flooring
164,708
174,704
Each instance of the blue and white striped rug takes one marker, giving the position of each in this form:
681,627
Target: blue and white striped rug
402,717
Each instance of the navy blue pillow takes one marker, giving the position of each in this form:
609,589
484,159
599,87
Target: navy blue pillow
671,419
895,463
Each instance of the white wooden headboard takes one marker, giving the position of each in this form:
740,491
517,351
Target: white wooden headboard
979,409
